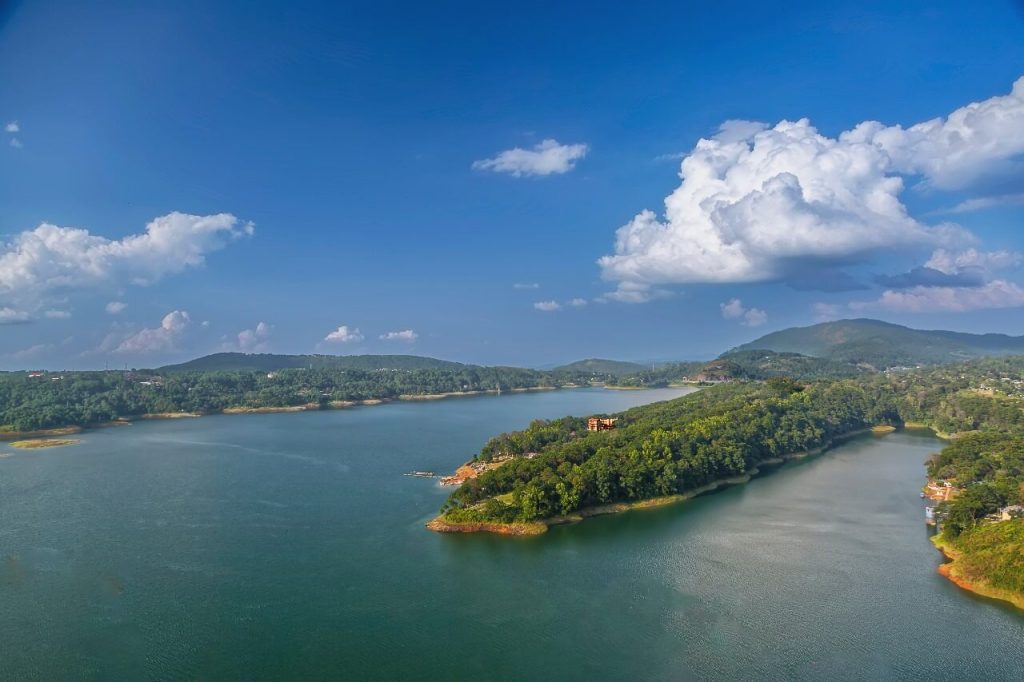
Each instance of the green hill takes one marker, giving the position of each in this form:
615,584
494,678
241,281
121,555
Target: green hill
268,362
604,367
882,344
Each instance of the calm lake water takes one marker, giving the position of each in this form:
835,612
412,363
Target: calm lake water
291,546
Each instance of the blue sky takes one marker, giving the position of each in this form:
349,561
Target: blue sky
344,172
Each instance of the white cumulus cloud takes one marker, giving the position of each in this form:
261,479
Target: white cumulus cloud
40,263
162,338
255,340
995,294
344,334
546,158
750,317
951,262
526,285
761,203
115,307
547,306
406,335
12,127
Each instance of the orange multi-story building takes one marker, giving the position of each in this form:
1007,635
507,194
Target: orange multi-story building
598,424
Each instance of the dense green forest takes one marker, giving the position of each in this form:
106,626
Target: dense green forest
988,470
727,430
236,380
51,400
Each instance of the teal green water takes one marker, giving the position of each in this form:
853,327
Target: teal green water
292,547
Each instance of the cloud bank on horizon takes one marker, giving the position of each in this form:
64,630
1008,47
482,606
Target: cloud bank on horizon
760,203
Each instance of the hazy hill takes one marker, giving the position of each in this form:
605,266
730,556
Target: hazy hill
268,362
882,344
605,367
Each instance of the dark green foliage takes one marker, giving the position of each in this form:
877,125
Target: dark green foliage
679,445
665,448
84,398
989,467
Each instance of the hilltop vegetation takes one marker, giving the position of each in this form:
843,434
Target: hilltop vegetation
882,345
599,367
268,362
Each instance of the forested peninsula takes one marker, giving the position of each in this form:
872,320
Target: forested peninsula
557,471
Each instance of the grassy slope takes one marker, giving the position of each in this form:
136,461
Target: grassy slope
988,560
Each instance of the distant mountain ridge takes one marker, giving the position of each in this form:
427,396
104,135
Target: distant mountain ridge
270,362
883,344
602,366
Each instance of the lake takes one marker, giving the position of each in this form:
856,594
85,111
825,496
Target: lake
291,546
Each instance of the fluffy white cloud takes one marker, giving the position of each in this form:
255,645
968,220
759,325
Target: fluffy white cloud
750,317
544,159
578,302
995,294
526,285
255,340
406,335
9,315
974,141
49,259
760,204
115,307
12,127
952,263
547,306
344,334
162,338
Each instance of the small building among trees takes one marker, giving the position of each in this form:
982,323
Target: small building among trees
599,424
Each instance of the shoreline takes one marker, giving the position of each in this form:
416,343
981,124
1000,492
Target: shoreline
950,570
521,528
308,407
